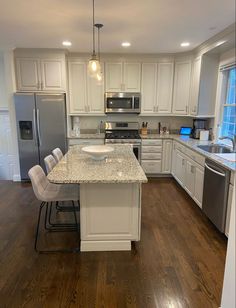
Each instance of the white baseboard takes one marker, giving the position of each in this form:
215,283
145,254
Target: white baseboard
105,245
16,178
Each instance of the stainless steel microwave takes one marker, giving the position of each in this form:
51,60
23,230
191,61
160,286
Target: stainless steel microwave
122,102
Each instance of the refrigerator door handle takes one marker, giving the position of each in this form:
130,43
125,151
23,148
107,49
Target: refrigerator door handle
34,129
38,127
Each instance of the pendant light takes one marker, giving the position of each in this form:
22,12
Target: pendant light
94,65
99,72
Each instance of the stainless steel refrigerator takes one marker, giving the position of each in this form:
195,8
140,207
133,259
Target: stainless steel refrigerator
41,127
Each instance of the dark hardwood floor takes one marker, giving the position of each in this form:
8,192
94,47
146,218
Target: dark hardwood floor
179,261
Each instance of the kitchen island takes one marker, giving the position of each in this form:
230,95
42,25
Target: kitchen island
110,196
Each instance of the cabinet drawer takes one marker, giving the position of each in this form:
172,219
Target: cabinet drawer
152,142
179,147
85,141
195,156
151,156
151,166
151,149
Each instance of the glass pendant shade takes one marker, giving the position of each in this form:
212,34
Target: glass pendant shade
99,76
94,66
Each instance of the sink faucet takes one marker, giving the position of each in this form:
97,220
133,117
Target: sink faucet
232,139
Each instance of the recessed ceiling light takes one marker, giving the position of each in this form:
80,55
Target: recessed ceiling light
220,43
66,43
185,44
125,44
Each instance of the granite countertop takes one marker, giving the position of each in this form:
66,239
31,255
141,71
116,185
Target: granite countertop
88,136
121,166
193,145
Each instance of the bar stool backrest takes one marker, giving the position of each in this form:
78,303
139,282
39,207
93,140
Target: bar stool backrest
50,163
57,153
39,182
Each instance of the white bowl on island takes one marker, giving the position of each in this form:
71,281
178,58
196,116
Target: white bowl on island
98,152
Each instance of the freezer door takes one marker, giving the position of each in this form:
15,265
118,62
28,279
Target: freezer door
51,123
26,132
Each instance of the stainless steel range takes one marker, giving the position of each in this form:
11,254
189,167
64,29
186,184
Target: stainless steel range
124,132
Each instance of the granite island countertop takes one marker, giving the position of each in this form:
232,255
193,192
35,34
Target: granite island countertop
121,166
193,145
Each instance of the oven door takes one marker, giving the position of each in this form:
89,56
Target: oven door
137,151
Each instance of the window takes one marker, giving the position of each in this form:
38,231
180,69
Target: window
228,124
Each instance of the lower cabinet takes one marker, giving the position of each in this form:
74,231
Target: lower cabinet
152,156
188,172
166,156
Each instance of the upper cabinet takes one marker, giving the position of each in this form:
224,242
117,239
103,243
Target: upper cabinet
40,74
122,76
156,88
203,85
86,94
182,81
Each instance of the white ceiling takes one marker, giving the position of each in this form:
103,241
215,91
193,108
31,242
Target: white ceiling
152,26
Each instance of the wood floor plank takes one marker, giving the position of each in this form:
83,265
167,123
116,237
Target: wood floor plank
178,263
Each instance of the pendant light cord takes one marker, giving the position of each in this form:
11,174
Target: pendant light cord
93,32
99,44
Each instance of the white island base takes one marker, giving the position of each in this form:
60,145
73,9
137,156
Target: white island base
110,216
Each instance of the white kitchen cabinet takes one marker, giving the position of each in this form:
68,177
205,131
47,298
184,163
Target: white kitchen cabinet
180,167
151,156
198,185
182,79
173,161
189,177
27,74
148,87
52,74
164,87
40,74
78,87
86,94
196,69
203,85
122,77
229,207
156,88
166,156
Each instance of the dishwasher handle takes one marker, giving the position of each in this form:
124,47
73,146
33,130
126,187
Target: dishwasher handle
213,170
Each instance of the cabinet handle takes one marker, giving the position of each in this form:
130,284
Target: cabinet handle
157,108
182,161
186,109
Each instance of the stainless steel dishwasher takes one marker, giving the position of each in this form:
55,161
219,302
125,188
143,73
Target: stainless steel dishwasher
215,193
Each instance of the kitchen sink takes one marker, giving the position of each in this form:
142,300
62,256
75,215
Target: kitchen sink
215,148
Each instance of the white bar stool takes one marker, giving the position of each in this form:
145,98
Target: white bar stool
57,153
47,193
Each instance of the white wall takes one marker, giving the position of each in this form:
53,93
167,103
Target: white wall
9,161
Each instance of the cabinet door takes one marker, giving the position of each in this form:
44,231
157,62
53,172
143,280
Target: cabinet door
95,95
173,164
78,87
198,186
132,77
166,156
53,75
195,83
229,207
27,74
148,87
181,87
113,77
180,167
164,87
189,177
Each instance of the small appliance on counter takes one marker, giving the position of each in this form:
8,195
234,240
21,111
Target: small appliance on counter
185,131
198,126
